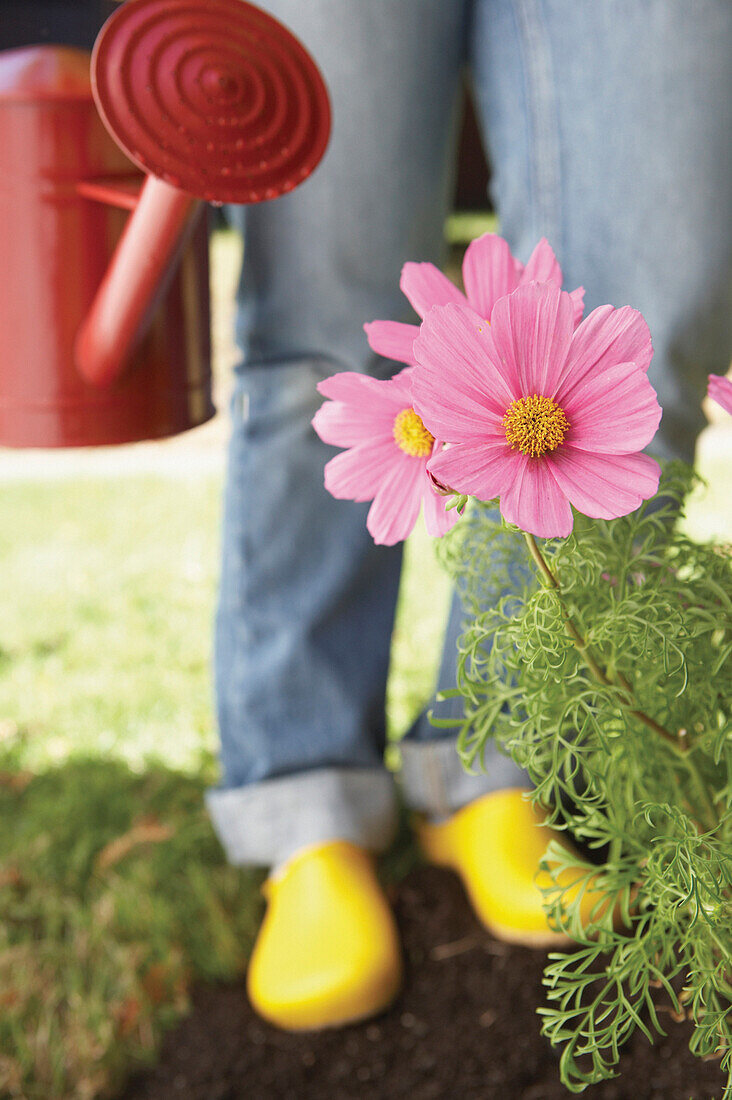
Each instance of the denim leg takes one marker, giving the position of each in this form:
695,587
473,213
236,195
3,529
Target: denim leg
433,777
307,601
610,131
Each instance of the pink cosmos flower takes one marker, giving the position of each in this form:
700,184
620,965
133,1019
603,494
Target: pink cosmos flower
720,390
388,450
490,271
538,413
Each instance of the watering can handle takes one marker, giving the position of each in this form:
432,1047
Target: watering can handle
135,281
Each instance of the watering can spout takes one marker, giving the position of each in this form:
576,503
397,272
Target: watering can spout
136,280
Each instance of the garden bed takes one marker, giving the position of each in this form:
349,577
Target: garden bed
465,1025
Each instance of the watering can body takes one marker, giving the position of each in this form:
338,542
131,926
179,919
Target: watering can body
66,193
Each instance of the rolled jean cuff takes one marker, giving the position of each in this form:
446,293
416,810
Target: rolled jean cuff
435,782
265,823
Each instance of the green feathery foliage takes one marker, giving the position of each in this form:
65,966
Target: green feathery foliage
606,674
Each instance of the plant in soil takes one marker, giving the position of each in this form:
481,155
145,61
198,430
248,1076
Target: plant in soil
608,679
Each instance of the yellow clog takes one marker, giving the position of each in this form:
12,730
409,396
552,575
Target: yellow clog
495,844
327,953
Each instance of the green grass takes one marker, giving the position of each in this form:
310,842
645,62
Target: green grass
464,226
107,732
107,592
100,941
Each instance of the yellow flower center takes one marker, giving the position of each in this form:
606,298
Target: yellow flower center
535,425
411,435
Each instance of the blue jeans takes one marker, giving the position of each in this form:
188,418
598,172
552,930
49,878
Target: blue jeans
609,126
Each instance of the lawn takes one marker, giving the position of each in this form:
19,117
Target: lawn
113,889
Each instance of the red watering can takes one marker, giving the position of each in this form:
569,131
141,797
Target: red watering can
104,315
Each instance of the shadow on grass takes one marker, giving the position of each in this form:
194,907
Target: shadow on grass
115,898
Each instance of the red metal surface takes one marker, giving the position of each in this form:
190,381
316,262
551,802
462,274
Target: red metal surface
213,96
125,195
31,75
136,280
55,248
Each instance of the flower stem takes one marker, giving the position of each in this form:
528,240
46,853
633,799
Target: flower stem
572,630
582,646
701,788
622,687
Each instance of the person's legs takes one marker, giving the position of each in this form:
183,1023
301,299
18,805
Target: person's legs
434,779
307,600
610,131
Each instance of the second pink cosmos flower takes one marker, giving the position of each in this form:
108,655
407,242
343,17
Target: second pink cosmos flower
388,448
490,270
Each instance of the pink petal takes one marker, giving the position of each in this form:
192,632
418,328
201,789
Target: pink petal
535,502
458,389
606,337
359,473
425,286
396,504
532,330
615,412
578,301
474,468
437,521
720,390
400,385
489,272
604,486
345,425
543,266
393,340
364,391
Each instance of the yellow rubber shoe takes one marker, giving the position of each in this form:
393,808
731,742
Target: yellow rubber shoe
495,844
328,951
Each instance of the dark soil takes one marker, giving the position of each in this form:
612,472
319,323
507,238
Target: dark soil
465,1026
